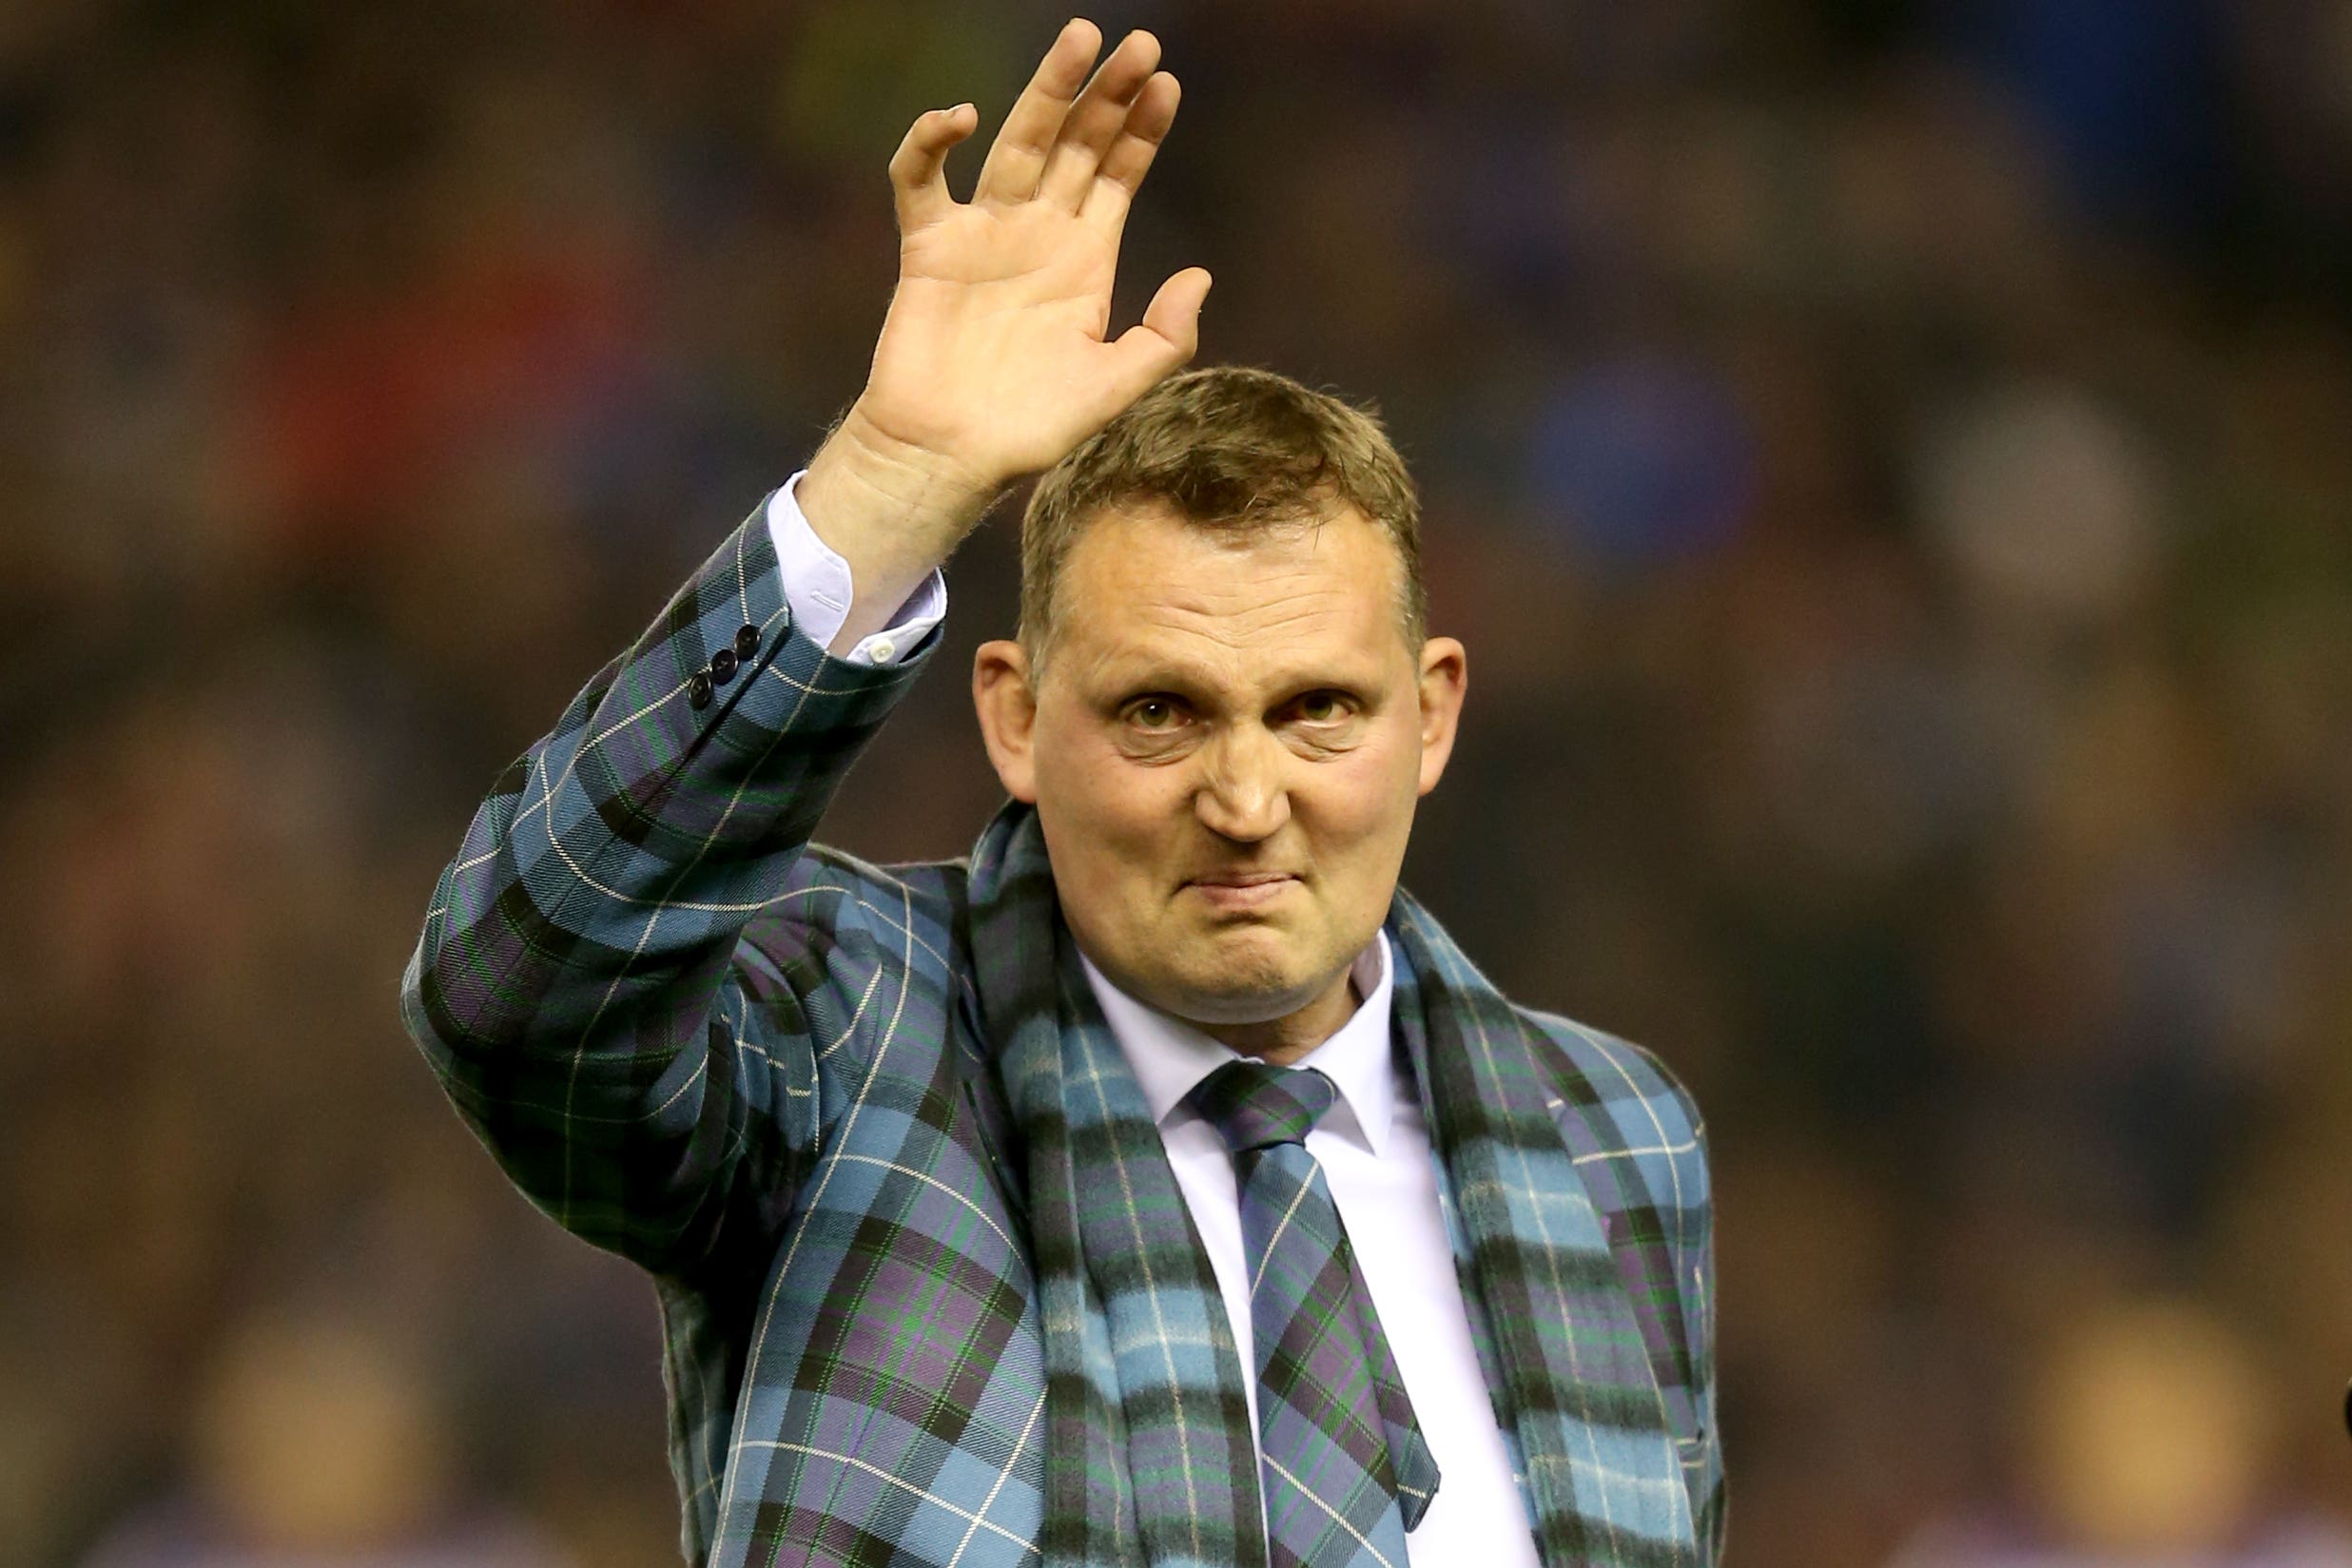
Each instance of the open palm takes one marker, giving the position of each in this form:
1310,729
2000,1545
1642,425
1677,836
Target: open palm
995,353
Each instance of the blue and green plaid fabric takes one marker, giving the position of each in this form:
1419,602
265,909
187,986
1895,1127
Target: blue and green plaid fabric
1346,1469
864,1129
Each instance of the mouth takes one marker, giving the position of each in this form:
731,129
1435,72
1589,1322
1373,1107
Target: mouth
1239,890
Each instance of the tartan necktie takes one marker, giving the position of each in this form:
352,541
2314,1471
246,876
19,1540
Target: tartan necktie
1345,1468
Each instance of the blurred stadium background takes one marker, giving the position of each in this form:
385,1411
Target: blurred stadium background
1890,460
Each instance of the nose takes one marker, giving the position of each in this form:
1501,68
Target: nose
1242,794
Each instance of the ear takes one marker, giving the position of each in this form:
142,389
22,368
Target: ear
1008,715
1444,681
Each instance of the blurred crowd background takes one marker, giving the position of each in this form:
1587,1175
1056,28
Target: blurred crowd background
1891,461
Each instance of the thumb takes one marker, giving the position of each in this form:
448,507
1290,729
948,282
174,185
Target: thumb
1168,335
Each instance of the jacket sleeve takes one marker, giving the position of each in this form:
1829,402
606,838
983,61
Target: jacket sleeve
576,988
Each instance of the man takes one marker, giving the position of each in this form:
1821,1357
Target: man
1160,1185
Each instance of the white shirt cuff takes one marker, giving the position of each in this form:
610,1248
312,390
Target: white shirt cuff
817,587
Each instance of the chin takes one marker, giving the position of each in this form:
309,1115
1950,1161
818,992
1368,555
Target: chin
1228,987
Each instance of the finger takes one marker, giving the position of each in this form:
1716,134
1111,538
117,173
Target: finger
1130,156
917,181
1095,122
1168,335
1018,156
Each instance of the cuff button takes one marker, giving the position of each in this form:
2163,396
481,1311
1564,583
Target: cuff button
722,666
883,650
747,642
698,690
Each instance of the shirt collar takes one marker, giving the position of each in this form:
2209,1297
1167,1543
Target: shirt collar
1169,1057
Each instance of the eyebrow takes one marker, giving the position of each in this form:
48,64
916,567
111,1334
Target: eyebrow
1129,677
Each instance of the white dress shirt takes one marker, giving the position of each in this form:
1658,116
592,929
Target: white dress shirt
817,587
1374,1146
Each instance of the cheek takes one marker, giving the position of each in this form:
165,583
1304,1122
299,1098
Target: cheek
1368,793
1084,781
1114,831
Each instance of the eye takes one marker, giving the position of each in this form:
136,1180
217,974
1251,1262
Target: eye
1155,713
1321,707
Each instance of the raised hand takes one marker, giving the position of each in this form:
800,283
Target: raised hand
995,358
995,348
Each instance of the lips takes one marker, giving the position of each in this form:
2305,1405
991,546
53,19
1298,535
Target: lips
1241,890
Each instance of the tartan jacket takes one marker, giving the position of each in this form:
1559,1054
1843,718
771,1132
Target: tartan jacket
755,1067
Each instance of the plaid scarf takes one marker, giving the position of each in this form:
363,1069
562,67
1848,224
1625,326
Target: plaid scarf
1149,1457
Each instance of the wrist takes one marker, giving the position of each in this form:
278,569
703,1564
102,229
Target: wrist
929,495
892,512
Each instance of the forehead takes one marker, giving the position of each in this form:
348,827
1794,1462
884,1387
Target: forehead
1142,587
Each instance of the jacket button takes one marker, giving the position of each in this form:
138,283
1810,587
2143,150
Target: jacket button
747,642
698,690
722,666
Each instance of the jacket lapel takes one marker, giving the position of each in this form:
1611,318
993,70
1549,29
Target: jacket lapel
1629,1216
1577,1366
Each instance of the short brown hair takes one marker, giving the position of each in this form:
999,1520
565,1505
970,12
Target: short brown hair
1226,447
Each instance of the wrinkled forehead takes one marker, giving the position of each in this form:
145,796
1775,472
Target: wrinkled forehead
1251,603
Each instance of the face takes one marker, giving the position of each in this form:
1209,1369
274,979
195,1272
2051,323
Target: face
1225,748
